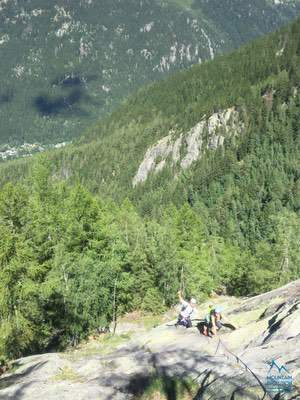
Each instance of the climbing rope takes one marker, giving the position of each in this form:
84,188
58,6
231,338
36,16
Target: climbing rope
239,360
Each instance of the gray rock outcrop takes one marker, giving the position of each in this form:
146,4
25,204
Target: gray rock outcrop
209,133
234,365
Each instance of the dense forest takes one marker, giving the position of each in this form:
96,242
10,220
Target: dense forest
65,253
74,230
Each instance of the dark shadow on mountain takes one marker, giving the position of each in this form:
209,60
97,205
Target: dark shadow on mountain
6,96
69,105
47,106
71,81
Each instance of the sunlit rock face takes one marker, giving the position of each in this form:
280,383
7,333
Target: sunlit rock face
260,337
188,147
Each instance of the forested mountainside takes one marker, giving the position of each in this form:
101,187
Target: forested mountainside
195,183
65,63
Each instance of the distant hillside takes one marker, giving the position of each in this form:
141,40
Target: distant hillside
63,64
222,136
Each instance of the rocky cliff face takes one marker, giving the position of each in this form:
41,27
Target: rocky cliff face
240,363
65,63
209,133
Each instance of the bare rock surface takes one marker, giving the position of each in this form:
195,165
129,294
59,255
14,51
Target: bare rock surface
209,133
233,365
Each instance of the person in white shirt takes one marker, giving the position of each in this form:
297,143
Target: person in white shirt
188,309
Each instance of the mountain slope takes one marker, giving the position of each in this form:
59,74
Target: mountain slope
237,362
204,171
222,137
66,63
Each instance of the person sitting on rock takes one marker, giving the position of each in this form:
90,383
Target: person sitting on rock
188,309
212,321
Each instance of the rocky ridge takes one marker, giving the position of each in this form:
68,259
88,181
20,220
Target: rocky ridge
209,133
234,365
